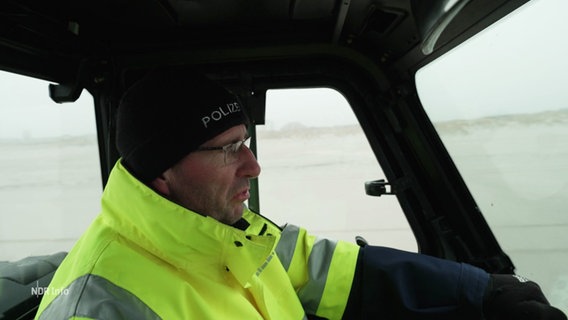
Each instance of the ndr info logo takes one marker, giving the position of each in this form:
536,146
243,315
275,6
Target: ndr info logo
40,291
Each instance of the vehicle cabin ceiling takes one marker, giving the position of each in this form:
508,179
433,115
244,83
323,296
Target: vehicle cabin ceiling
55,35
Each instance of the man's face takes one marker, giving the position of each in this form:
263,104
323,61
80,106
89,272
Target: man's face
204,183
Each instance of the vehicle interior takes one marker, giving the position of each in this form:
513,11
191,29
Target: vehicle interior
369,51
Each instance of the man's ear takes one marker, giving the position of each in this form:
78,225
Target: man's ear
160,184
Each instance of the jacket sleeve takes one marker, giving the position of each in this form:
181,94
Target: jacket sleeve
394,284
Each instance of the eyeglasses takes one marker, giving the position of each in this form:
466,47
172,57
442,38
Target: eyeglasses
230,151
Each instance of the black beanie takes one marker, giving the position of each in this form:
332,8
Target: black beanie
167,115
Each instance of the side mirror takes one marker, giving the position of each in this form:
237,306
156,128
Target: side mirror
377,188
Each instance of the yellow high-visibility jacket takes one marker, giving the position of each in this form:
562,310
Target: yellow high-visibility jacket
145,257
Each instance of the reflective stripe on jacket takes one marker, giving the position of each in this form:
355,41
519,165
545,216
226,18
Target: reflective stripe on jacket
145,257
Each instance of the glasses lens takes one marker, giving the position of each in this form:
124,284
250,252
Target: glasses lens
246,142
232,150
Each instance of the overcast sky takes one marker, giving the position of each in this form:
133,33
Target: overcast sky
26,111
517,65
524,53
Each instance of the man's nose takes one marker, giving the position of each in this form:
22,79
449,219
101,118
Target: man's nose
248,167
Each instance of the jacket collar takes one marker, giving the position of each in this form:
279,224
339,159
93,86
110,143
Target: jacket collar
178,235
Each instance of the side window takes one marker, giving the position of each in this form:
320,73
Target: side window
315,160
49,164
500,105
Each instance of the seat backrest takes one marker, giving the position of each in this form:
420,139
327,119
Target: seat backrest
23,283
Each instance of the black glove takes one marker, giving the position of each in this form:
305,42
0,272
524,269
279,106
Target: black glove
511,297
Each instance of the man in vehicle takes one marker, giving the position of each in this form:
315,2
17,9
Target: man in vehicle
174,239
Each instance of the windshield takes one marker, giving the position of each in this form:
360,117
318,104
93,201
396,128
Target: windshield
500,105
320,163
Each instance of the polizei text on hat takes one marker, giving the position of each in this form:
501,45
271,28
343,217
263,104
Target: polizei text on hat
221,112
